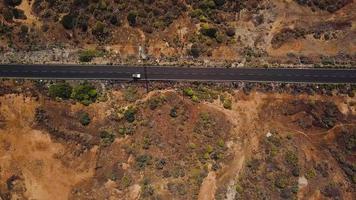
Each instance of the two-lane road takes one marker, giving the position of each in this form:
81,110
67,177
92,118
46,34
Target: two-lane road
100,72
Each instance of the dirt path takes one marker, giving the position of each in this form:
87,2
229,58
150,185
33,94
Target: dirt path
208,187
26,6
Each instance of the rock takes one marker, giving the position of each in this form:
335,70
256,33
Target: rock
269,134
302,182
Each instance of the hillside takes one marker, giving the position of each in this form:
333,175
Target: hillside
96,140
225,32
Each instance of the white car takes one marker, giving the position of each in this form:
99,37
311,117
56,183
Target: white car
136,76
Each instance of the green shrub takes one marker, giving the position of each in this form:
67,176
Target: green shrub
126,181
19,14
131,18
61,90
197,13
230,32
188,92
24,29
99,29
281,182
85,93
88,55
219,2
147,190
291,158
174,112
106,138
221,143
102,5
195,51
195,99
154,102
311,173
207,4
131,94
143,160
13,2
227,104
130,113
239,188
209,31
84,119
7,14
68,21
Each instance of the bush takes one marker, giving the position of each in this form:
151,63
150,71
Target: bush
281,182
24,29
291,158
209,31
143,160
219,2
332,191
68,21
88,55
195,51
227,104
85,93
130,113
61,90
197,13
131,18
107,138
99,29
126,181
311,173
84,119
230,32
13,2
7,14
174,112
131,94
154,102
188,92
19,14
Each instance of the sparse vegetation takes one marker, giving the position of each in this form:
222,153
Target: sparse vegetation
89,54
85,119
60,90
130,113
84,93
106,138
68,21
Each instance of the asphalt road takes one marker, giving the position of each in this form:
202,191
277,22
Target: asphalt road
99,72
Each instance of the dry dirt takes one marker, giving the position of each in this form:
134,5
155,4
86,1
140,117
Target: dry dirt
315,34
259,148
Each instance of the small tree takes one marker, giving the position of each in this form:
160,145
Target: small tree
87,55
230,32
174,112
130,113
85,119
68,21
195,51
131,17
188,92
209,31
61,90
7,14
13,2
24,29
85,93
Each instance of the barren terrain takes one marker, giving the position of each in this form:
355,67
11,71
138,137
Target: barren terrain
211,142
213,32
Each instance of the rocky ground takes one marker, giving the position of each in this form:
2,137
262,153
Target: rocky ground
106,140
210,32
